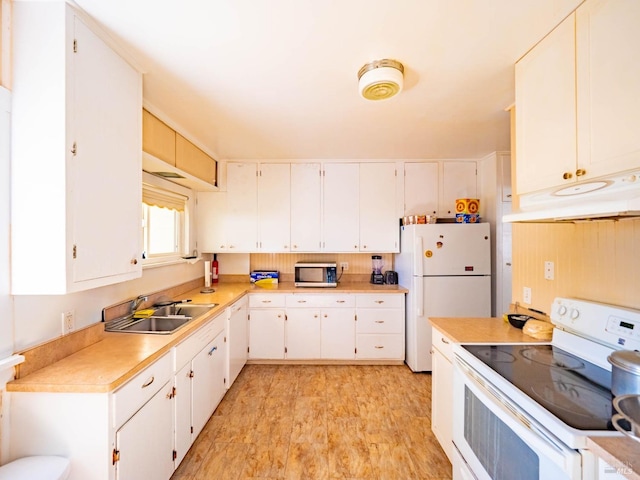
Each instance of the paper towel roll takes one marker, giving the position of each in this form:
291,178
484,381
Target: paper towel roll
207,273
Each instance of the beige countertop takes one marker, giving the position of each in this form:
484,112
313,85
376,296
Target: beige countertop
621,453
115,357
481,330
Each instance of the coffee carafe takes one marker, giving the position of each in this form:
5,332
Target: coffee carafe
376,274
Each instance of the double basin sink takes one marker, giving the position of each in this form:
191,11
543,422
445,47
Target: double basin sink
164,320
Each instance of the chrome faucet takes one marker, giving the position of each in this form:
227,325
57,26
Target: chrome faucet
137,302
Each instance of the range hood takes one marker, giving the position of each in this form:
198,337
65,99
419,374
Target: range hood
611,197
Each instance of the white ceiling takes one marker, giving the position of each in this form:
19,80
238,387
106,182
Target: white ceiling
277,79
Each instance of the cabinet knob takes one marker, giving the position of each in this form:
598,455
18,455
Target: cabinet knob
295,246
567,175
364,246
355,246
581,172
134,261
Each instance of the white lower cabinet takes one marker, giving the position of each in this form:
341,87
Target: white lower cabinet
237,339
380,326
442,392
308,326
200,367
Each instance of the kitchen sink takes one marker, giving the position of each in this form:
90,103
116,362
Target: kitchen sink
164,320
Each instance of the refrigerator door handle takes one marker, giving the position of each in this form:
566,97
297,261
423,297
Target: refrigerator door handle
419,295
417,256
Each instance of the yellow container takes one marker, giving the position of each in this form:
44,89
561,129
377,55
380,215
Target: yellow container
470,206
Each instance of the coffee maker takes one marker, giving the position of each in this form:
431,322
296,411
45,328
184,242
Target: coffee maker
377,277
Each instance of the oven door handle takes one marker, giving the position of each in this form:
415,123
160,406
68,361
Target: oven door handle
527,429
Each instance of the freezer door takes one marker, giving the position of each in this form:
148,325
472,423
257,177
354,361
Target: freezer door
457,296
453,249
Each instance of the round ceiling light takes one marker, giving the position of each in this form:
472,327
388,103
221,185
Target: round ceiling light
380,79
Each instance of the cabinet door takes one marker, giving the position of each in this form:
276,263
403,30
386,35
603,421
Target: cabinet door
458,181
303,333
608,80
421,192
379,228
208,382
341,207
158,139
274,184
194,161
242,207
211,214
140,457
305,207
106,172
338,333
441,402
182,428
238,336
546,112
266,334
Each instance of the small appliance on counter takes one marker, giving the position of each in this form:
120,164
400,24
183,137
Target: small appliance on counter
316,274
391,277
376,275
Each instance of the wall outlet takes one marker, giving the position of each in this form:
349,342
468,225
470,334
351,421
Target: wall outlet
526,295
68,322
549,270
344,266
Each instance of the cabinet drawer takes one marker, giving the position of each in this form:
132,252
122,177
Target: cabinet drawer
380,346
382,300
442,343
187,349
373,320
320,300
137,391
266,300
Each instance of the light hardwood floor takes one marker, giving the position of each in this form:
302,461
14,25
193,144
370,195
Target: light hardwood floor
320,422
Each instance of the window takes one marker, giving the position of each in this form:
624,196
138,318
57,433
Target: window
164,219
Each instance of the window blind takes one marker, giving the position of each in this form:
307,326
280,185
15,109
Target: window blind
158,197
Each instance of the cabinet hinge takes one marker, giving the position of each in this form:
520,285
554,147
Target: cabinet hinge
192,429
225,339
172,393
355,350
75,251
75,46
247,349
224,380
115,456
355,317
285,349
175,455
190,374
74,149
395,173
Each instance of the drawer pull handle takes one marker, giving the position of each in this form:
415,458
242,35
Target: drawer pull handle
213,350
379,301
145,385
340,301
266,301
302,301
379,321
378,346
444,341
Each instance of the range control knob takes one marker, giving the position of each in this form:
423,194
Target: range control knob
574,314
562,310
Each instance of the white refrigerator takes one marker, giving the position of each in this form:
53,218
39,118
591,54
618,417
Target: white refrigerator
447,269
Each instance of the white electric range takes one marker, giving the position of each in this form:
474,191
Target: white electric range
525,410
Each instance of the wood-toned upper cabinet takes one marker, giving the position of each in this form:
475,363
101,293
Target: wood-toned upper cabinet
191,159
158,139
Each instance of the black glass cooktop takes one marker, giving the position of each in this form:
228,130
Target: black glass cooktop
575,391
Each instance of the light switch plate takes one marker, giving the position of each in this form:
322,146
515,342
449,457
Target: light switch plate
549,270
526,295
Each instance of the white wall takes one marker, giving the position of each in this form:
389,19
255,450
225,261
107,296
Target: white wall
6,323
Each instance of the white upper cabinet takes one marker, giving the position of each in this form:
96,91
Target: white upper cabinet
578,99
431,188
379,220
211,217
546,112
274,205
608,86
421,188
306,207
76,155
241,223
341,209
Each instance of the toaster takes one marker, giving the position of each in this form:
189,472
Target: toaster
391,277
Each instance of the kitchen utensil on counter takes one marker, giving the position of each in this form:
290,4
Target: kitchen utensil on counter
628,408
376,265
518,320
391,277
625,372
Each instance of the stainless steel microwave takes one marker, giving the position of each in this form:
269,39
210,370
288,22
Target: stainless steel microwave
316,274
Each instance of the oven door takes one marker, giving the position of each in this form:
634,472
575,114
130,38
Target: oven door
500,442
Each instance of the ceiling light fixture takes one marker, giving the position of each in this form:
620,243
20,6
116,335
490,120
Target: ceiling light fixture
380,79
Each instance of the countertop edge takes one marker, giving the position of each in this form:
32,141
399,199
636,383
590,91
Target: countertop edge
620,453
